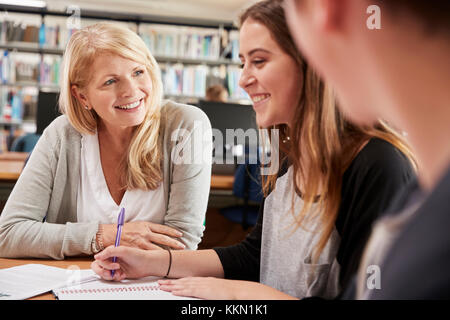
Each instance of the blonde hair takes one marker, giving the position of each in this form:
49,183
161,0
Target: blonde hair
141,165
320,136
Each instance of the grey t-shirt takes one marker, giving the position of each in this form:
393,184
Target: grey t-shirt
286,250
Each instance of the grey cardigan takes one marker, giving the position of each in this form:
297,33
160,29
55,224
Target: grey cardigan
40,216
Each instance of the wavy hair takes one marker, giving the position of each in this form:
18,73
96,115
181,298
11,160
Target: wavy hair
321,144
141,165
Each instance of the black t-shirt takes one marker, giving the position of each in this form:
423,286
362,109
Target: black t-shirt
369,184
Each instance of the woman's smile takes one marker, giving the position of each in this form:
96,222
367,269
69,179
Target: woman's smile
130,107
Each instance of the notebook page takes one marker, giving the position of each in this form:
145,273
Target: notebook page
29,280
141,289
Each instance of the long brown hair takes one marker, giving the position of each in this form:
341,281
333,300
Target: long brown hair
321,144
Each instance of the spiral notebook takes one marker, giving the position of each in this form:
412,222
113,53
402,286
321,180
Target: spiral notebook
142,289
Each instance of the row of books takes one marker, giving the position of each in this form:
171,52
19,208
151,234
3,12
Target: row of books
181,80
165,41
52,36
49,67
182,42
184,80
23,68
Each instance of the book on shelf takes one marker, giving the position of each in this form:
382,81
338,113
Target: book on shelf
49,70
234,45
232,82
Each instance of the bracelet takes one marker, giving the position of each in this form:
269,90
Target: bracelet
98,240
170,263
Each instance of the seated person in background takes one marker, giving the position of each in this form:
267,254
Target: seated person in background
317,214
400,72
113,147
216,93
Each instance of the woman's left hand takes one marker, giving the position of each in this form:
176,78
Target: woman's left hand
220,289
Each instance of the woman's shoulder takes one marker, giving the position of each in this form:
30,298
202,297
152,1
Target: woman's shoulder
61,125
381,158
381,153
176,115
60,130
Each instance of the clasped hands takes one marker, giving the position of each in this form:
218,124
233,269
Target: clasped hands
142,234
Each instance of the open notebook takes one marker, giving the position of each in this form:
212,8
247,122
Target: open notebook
142,289
29,280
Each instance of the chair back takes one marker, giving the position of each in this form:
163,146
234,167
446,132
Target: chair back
25,143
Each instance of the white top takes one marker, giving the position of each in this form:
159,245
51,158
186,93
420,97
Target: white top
94,202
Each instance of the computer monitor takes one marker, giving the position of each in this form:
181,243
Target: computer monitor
239,146
47,110
229,115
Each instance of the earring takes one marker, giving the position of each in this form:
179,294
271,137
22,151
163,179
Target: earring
86,107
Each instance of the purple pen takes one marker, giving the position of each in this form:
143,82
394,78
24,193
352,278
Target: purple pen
120,222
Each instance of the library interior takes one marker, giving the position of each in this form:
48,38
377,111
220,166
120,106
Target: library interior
196,45
224,150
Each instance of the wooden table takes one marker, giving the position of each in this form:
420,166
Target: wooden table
11,165
10,169
14,156
81,262
222,182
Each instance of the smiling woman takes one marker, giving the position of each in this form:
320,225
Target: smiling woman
110,150
266,66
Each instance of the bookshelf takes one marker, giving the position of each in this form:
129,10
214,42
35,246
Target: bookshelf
192,55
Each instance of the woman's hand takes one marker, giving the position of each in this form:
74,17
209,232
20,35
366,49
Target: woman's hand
142,234
131,263
221,289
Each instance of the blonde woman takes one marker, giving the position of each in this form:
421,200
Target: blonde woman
318,210
116,146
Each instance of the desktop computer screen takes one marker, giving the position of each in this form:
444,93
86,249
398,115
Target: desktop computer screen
235,134
47,110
